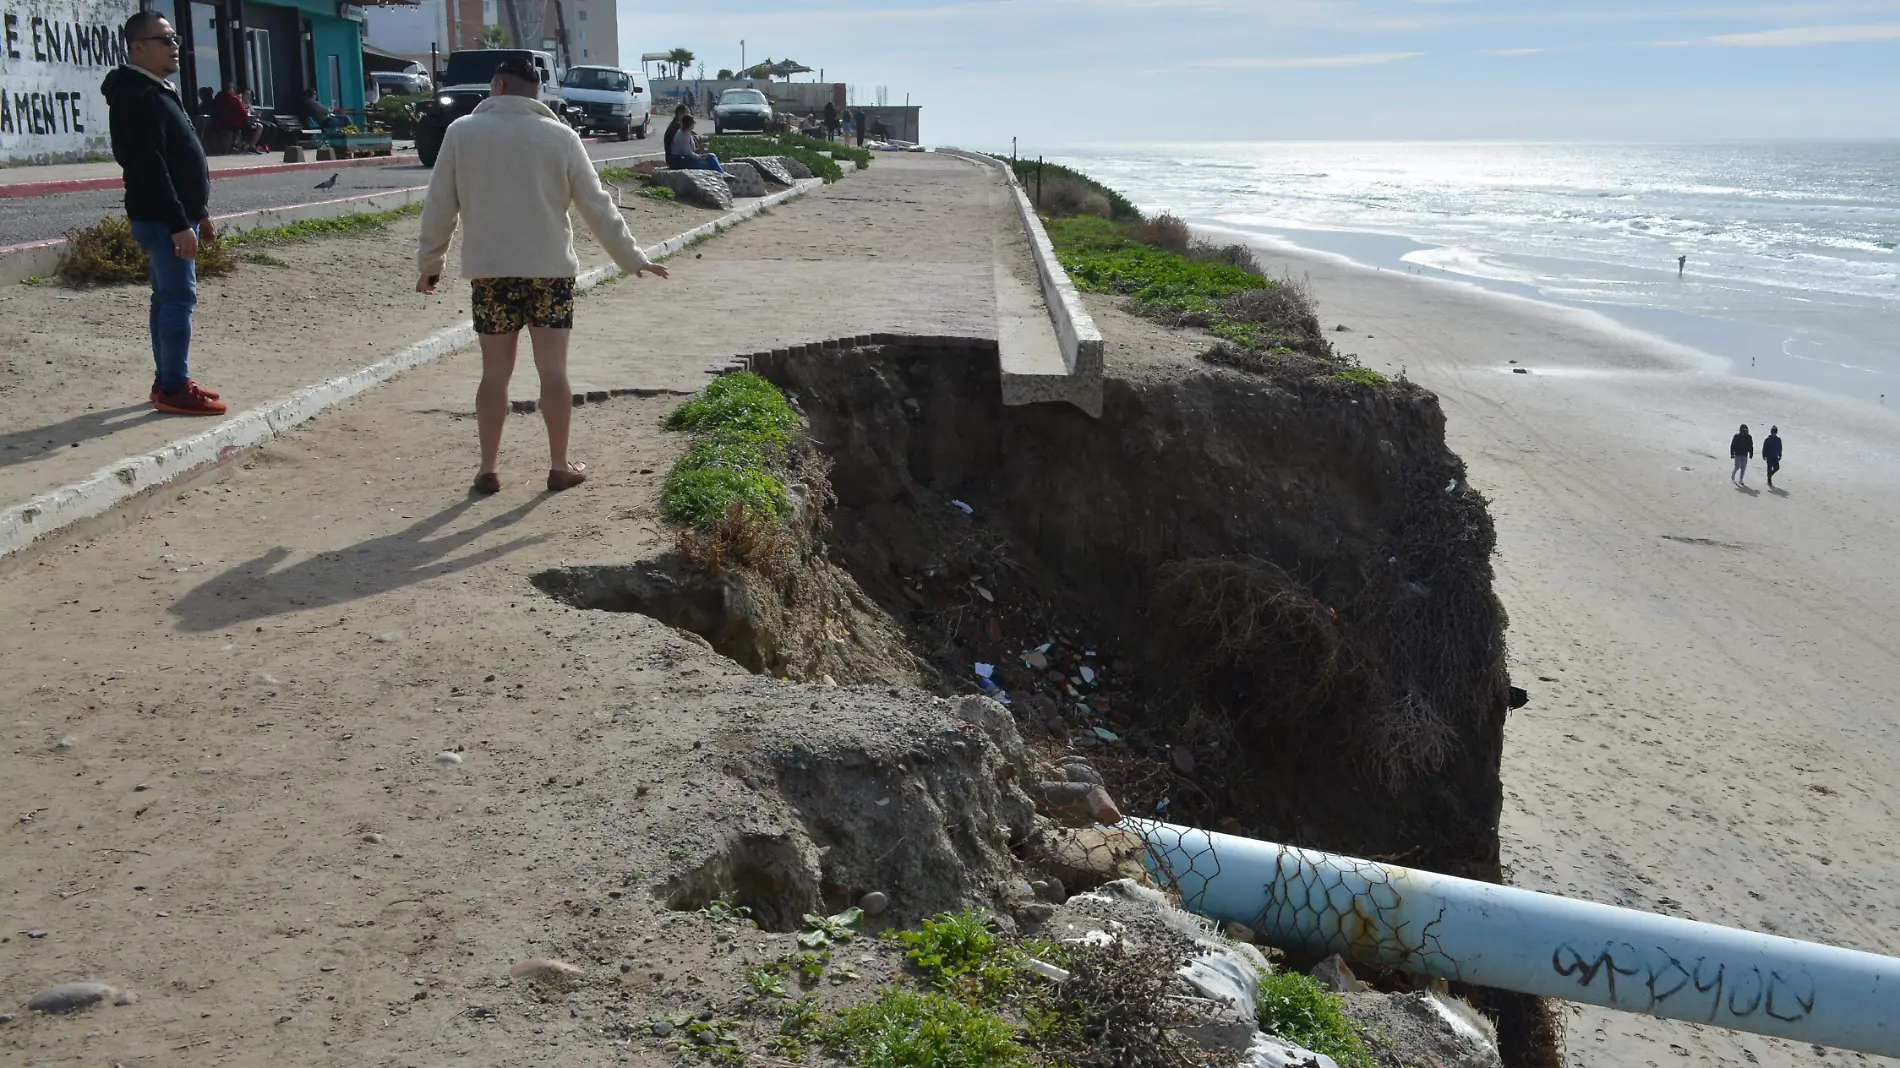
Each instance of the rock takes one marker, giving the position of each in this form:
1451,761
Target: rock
1086,858
1052,890
1335,975
995,721
1033,913
1520,371
744,180
68,742
448,758
1077,770
792,166
1182,758
125,997
769,168
36,933
661,1029
71,997
875,903
373,839
1267,1051
543,970
1424,1028
705,188
1065,802
389,637
1239,932
1102,807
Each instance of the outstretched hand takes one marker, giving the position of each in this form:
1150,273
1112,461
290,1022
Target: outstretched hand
653,268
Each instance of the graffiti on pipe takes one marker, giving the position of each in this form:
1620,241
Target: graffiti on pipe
1733,992
53,55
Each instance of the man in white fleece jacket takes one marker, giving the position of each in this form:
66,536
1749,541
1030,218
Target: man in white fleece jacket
512,170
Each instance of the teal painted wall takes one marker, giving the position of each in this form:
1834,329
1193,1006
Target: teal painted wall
343,39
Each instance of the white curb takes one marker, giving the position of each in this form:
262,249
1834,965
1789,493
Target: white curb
49,513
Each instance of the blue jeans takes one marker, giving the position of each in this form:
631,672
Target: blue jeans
707,162
174,295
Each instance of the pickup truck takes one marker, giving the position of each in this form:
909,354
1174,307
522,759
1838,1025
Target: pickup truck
464,84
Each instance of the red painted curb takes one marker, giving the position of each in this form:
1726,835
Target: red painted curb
80,185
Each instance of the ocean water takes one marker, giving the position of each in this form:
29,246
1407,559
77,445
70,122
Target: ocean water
1792,270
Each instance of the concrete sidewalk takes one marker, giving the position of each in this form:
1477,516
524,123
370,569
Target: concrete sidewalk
51,178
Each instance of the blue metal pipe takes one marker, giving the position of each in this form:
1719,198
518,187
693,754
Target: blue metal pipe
1512,939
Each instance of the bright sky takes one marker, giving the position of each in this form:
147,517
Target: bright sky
1056,72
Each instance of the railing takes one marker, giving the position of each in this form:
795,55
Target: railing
1512,939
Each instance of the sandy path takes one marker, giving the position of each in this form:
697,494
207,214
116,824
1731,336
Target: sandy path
76,365
1711,672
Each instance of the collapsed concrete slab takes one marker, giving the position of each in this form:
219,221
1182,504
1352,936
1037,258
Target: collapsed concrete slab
744,180
770,168
707,188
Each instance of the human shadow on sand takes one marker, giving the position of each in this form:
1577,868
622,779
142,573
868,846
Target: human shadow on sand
27,444
1779,492
252,590
1750,490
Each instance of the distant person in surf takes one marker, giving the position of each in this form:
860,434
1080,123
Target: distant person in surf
1682,264
1771,453
1741,449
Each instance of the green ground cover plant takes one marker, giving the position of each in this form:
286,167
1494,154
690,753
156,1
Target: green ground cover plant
107,254
735,146
907,1029
741,426
1295,1007
838,149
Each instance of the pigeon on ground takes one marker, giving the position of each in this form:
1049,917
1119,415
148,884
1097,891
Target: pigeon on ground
330,182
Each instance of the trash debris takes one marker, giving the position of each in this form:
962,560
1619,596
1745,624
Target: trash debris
967,510
1107,735
984,671
1520,370
1037,660
985,594
1088,674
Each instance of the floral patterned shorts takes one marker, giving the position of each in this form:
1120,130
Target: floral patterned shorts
505,305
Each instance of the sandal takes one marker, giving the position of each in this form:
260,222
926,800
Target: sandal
575,474
487,482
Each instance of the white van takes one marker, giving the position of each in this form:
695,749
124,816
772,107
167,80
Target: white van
611,100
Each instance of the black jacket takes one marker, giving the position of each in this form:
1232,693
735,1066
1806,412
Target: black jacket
1771,448
1741,445
166,178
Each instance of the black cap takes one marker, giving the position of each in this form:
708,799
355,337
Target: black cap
517,67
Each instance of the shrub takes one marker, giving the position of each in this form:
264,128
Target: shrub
712,476
903,1029
1120,208
736,146
738,407
1163,231
741,426
1295,1007
108,254
1286,305
838,149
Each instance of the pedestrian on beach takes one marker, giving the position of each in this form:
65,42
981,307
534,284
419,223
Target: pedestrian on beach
167,198
1682,264
511,170
1771,453
1741,449
831,121
861,131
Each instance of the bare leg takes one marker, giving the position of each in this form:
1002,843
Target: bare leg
491,397
557,397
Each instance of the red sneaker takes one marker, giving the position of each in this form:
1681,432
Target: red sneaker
188,401
189,384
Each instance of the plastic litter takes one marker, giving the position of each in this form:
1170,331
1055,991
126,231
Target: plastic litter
1107,735
984,671
967,510
1088,674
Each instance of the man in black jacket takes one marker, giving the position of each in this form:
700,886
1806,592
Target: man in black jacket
167,191
1741,449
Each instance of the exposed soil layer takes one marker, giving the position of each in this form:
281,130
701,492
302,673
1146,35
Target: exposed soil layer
1294,569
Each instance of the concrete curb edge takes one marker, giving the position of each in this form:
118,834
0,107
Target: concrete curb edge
48,513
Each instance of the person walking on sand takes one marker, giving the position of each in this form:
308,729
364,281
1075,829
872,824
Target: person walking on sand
511,170
1741,449
167,198
1771,453
1682,264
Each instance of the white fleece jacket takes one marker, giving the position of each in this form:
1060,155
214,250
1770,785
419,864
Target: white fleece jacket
511,171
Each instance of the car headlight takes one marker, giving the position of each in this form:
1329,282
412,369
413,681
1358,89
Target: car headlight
623,109
445,101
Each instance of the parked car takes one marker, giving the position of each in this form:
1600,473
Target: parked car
610,100
742,109
465,84
402,82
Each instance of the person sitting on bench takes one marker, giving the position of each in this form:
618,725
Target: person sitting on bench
231,114
320,116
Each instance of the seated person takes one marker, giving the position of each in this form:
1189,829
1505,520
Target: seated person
666,143
229,111
685,149
320,116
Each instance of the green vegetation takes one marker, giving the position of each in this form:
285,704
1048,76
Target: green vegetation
1103,255
736,146
741,426
822,931
961,954
310,229
906,1029
1059,181
1295,1007
1364,376
108,254
838,149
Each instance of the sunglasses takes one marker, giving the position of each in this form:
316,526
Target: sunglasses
169,38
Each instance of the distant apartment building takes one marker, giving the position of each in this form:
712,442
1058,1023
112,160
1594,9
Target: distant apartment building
593,28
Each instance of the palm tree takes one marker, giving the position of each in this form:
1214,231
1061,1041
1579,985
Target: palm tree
681,58
494,37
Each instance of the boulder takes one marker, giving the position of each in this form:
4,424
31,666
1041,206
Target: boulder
705,188
744,180
792,166
769,168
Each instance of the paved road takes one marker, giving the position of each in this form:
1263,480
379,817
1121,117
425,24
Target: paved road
37,218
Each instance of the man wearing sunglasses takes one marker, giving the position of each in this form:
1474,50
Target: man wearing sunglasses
167,192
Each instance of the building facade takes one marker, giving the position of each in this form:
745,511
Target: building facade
593,28
53,55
